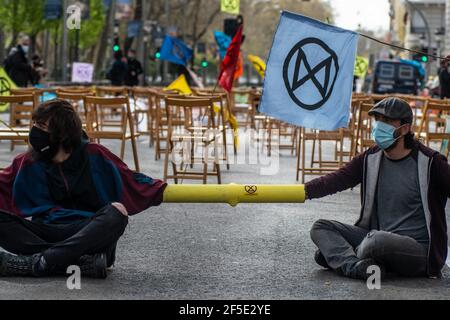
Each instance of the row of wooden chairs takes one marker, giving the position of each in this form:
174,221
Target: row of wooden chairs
108,114
103,118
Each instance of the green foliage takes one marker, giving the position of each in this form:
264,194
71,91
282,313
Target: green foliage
22,16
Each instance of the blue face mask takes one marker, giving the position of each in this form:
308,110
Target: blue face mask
383,134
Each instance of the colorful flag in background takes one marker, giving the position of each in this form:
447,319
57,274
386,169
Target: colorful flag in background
179,85
175,51
361,66
230,6
230,62
239,68
223,42
5,85
258,64
309,76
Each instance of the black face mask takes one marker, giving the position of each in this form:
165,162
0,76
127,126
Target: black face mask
42,146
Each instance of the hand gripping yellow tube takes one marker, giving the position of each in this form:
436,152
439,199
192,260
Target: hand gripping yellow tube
234,193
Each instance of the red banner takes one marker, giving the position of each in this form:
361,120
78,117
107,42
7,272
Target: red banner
229,63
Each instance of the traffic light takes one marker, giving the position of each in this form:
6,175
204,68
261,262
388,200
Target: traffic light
205,63
230,27
424,54
116,46
158,55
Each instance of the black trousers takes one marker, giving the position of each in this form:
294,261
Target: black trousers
343,245
63,244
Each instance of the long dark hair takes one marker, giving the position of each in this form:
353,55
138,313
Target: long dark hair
64,124
410,139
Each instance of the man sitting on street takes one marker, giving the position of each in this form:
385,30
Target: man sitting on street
404,190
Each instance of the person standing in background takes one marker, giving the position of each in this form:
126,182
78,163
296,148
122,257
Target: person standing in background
17,65
118,70
134,69
444,78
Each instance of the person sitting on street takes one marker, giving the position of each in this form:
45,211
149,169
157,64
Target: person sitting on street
404,189
66,201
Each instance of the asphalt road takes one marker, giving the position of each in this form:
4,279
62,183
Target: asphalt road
199,251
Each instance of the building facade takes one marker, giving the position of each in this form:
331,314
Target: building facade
420,25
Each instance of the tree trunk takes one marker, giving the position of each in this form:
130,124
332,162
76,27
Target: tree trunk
100,58
2,46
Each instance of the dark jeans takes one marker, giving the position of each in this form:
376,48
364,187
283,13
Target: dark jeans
343,245
63,244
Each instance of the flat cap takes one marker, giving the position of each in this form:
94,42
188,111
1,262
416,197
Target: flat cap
393,108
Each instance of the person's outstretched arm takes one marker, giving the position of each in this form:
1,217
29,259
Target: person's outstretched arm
347,177
118,183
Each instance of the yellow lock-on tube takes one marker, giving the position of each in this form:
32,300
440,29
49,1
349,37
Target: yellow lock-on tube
234,193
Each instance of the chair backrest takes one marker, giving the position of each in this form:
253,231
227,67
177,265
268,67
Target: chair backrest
112,91
76,100
440,109
194,112
100,109
23,91
88,91
363,126
21,108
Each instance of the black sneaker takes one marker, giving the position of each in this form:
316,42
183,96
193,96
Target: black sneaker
359,269
93,266
320,260
20,266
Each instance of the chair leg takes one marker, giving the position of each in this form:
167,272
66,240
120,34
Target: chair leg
157,147
135,153
320,153
205,171
303,159
313,152
166,162
175,172
122,149
219,177
298,157
225,148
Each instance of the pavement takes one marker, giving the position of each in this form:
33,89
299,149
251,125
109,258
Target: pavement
214,251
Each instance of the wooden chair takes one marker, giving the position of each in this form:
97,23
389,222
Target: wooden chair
255,119
197,129
161,122
221,114
98,129
240,110
76,99
324,166
284,131
77,90
436,115
20,112
106,91
363,133
143,110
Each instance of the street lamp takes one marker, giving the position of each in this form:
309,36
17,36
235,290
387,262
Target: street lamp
438,36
